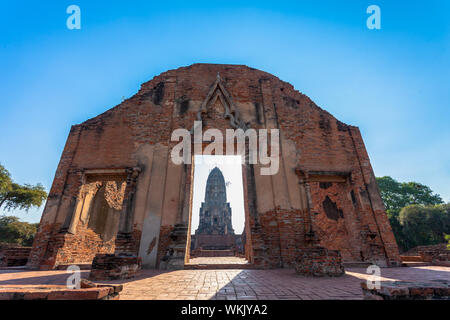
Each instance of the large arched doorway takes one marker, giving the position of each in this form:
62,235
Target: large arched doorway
217,214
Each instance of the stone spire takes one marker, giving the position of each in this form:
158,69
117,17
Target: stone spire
215,212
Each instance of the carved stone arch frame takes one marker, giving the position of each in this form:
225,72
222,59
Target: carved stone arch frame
216,91
251,221
91,182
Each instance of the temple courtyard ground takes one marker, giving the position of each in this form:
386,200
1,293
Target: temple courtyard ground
235,284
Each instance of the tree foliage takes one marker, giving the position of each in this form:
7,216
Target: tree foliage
397,195
425,225
447,237
12,230
16,196
417,215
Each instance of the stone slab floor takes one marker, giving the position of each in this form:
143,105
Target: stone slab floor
235,284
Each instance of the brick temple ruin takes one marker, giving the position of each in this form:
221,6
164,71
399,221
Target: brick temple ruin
215,235
116,190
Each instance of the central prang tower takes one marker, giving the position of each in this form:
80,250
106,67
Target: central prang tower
215,212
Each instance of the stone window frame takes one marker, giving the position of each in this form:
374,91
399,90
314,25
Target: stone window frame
81,211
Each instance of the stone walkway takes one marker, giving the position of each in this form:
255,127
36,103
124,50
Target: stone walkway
236,284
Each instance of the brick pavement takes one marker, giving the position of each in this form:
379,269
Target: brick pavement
236,284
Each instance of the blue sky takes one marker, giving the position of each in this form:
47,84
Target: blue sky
392,83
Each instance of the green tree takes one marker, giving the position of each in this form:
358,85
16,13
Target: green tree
397,195
16,196
5,180
447,237
12,230
425,225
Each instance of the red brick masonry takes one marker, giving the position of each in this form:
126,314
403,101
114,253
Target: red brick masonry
117,190
405,290
59,292
319,262
14,256
114,267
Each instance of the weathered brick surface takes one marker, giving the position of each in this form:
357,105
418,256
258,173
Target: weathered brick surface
441,247
319,262
406,290
60,292
114,267
164,242
437,254
343,223
281,210
212,253
128,243
411,258
11,256
214,242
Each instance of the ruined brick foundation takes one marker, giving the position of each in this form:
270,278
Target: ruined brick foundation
319,262
60,292
114,267
405,290
13,256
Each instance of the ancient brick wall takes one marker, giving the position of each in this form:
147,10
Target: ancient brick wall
13,255
344,233
281,209
209,242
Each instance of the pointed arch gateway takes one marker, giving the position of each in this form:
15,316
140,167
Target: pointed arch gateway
239,245
218,91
